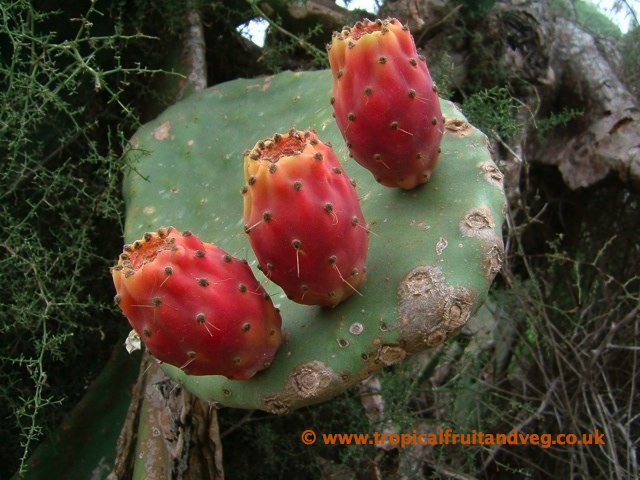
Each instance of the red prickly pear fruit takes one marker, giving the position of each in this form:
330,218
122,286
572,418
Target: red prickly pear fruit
303,218
385,102
195,306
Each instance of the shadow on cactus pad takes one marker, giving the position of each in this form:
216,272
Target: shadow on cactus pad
433,250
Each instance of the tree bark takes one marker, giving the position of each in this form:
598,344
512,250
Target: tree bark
168,433
609,140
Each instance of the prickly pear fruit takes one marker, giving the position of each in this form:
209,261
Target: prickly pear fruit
195,306
304,220
385,102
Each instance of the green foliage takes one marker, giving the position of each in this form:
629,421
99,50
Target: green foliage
561,118
281,45
64,115
494,111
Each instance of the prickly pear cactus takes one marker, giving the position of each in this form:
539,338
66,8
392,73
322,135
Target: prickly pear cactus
433,250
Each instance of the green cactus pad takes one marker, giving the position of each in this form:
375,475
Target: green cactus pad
433,251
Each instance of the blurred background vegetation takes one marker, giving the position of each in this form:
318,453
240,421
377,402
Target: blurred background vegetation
555,350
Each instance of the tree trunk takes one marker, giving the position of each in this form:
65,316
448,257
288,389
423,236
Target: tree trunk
168,432
571,68
609,140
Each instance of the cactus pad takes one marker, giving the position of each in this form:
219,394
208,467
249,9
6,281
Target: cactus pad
433,250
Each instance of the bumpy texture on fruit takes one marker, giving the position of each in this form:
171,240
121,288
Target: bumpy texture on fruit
303,218
385,102
433,252
195,306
